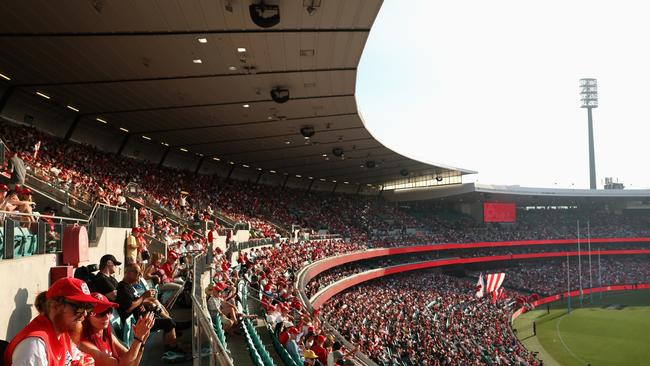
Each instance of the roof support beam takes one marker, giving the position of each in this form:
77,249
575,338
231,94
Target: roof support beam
259,176
232,169
310,184
265,122
72,127
198,166
123,145
293,134
6,96
286,179
167,108
164,156
179,77
185,32
335,186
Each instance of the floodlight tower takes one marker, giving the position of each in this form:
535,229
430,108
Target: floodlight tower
589,99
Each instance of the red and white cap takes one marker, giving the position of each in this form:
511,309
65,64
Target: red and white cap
104,305
74,289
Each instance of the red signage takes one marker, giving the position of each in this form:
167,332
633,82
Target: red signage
499,212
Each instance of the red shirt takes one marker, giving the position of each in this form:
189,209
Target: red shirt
167,268
103,342
283,338
321,353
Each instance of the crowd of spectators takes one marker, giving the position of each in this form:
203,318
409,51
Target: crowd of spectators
92,176
271,271
549,277
426,318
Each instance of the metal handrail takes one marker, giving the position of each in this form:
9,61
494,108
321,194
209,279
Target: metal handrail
39,215
219,355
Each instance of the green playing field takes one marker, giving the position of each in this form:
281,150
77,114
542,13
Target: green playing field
614,330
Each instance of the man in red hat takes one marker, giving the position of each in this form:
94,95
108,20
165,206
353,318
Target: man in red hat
45,341
320,349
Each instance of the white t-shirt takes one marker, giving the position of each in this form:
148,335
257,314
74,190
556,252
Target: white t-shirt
30,352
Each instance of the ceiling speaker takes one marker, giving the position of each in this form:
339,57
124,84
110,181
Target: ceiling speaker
264,15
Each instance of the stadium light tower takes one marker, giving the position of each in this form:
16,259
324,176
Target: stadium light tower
589,99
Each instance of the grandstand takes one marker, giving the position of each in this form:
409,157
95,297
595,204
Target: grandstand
214,178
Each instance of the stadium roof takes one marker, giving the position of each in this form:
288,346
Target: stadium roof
472,192
197,75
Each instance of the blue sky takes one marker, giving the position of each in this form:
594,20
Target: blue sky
493,87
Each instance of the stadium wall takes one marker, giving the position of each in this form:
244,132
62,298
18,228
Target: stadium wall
28,276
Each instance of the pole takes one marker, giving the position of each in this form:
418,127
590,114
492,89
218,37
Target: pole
592,158
591,285
579,265
568,285
600,279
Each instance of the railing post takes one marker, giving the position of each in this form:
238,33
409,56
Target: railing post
41,237
9,239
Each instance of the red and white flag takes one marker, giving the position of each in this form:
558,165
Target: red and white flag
37,147
480,286
498,295
493,281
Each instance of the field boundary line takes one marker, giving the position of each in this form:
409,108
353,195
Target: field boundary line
557,329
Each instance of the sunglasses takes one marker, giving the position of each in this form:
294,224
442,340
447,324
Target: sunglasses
79,309
102,314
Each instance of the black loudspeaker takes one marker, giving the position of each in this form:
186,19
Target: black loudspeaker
404,172
263,15
280,95
370,164
337,151
307,131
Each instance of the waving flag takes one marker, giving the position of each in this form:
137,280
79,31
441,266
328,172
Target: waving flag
37,147
480,286
494,281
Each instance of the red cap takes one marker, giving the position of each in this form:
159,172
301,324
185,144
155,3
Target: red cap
26,191
293,330
320,339
72,289
105,303
4,188
172,254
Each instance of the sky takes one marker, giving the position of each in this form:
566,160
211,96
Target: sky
493,87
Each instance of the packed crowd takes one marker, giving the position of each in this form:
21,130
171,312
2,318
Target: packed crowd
549,277
426,318
94,176
271,271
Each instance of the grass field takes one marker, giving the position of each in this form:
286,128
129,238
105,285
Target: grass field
614,330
